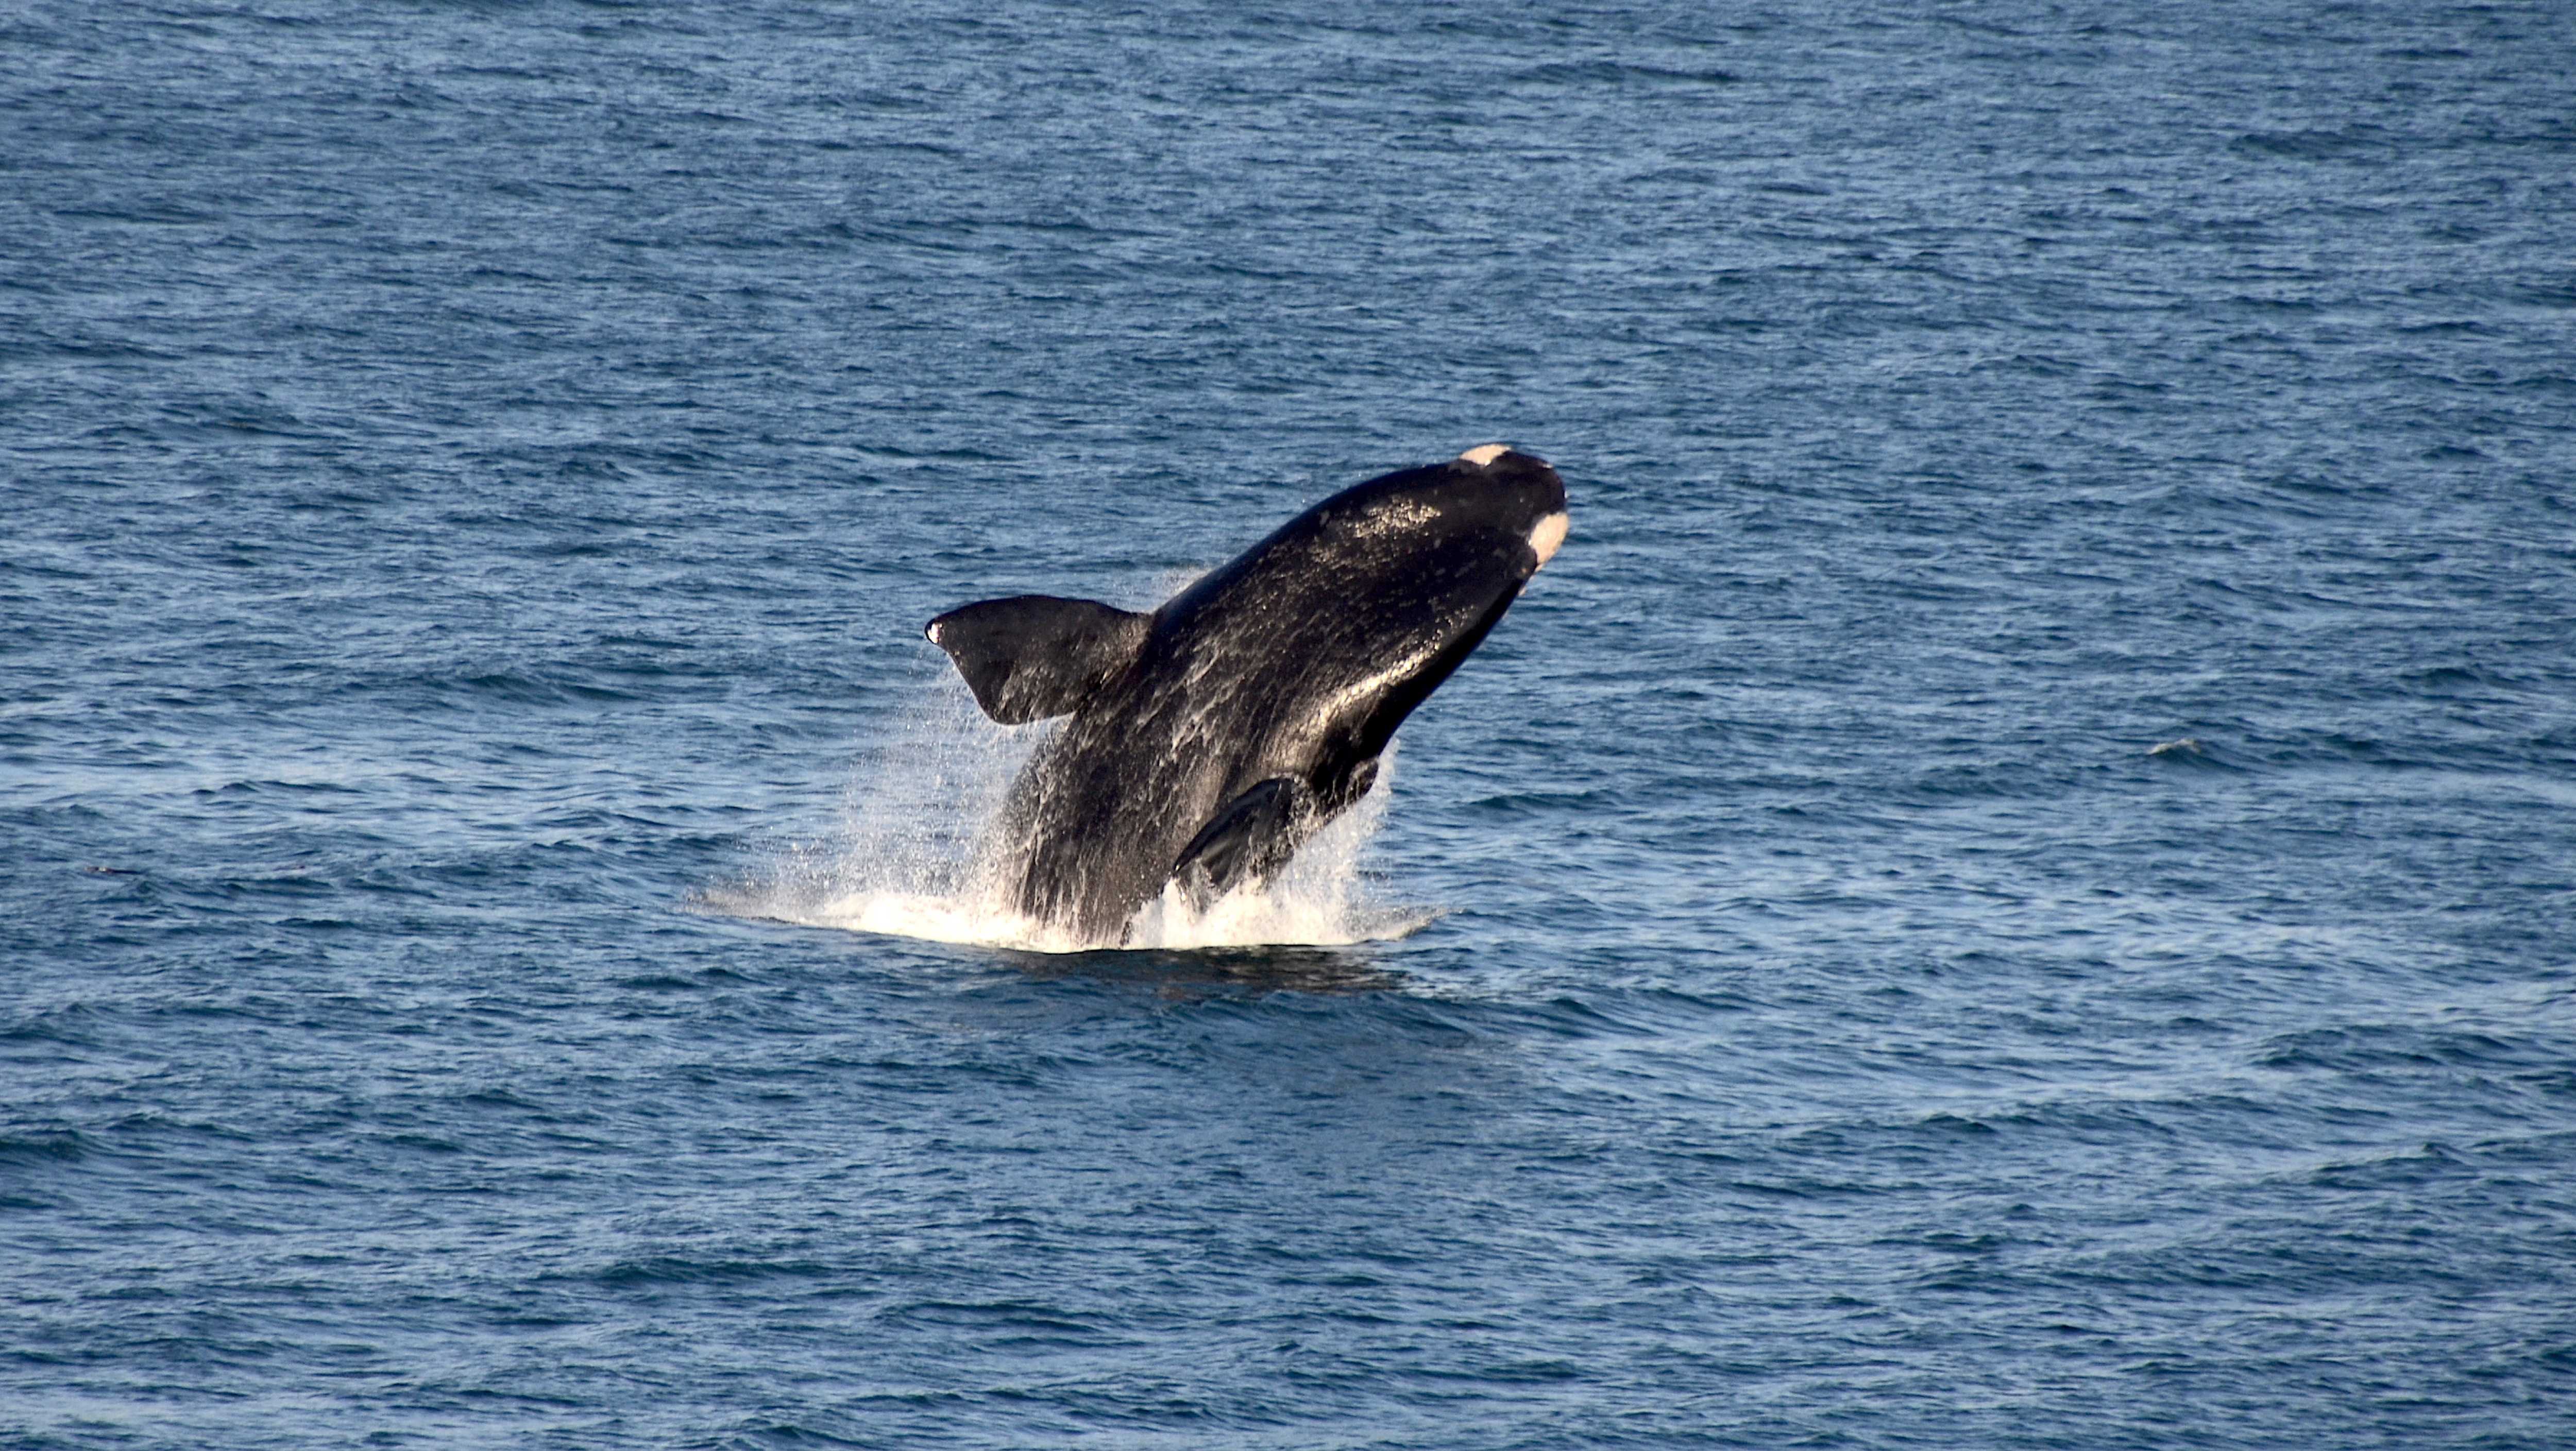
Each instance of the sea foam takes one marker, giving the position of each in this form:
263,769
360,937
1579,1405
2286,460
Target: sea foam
918,853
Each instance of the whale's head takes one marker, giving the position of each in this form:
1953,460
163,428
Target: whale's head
1515,487
1504,508
1356,609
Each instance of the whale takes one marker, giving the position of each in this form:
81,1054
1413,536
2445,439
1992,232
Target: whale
1207,740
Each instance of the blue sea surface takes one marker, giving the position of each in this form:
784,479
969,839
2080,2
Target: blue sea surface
2014,885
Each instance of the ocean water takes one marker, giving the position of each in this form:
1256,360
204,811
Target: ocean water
2014,885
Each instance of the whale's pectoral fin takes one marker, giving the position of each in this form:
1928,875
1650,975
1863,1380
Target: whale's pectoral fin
1249,838
1032,656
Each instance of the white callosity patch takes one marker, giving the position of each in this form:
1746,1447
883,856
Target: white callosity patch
1484,454
1547,534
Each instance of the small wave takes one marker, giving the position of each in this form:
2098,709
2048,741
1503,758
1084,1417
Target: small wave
61,1145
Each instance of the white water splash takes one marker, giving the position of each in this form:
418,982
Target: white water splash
918,856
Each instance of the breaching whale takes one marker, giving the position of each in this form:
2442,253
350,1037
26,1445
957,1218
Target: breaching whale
1212,737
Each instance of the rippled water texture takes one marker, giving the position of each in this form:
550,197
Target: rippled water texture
2011,886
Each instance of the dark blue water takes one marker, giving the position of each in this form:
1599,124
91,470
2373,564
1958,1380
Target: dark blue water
2014,885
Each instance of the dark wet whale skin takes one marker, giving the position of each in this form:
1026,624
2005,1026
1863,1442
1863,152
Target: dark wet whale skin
1210,739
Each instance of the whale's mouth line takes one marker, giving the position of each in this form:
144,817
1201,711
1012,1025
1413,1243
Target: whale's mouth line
1547,534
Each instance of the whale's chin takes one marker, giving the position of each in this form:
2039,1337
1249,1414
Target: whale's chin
1546,535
